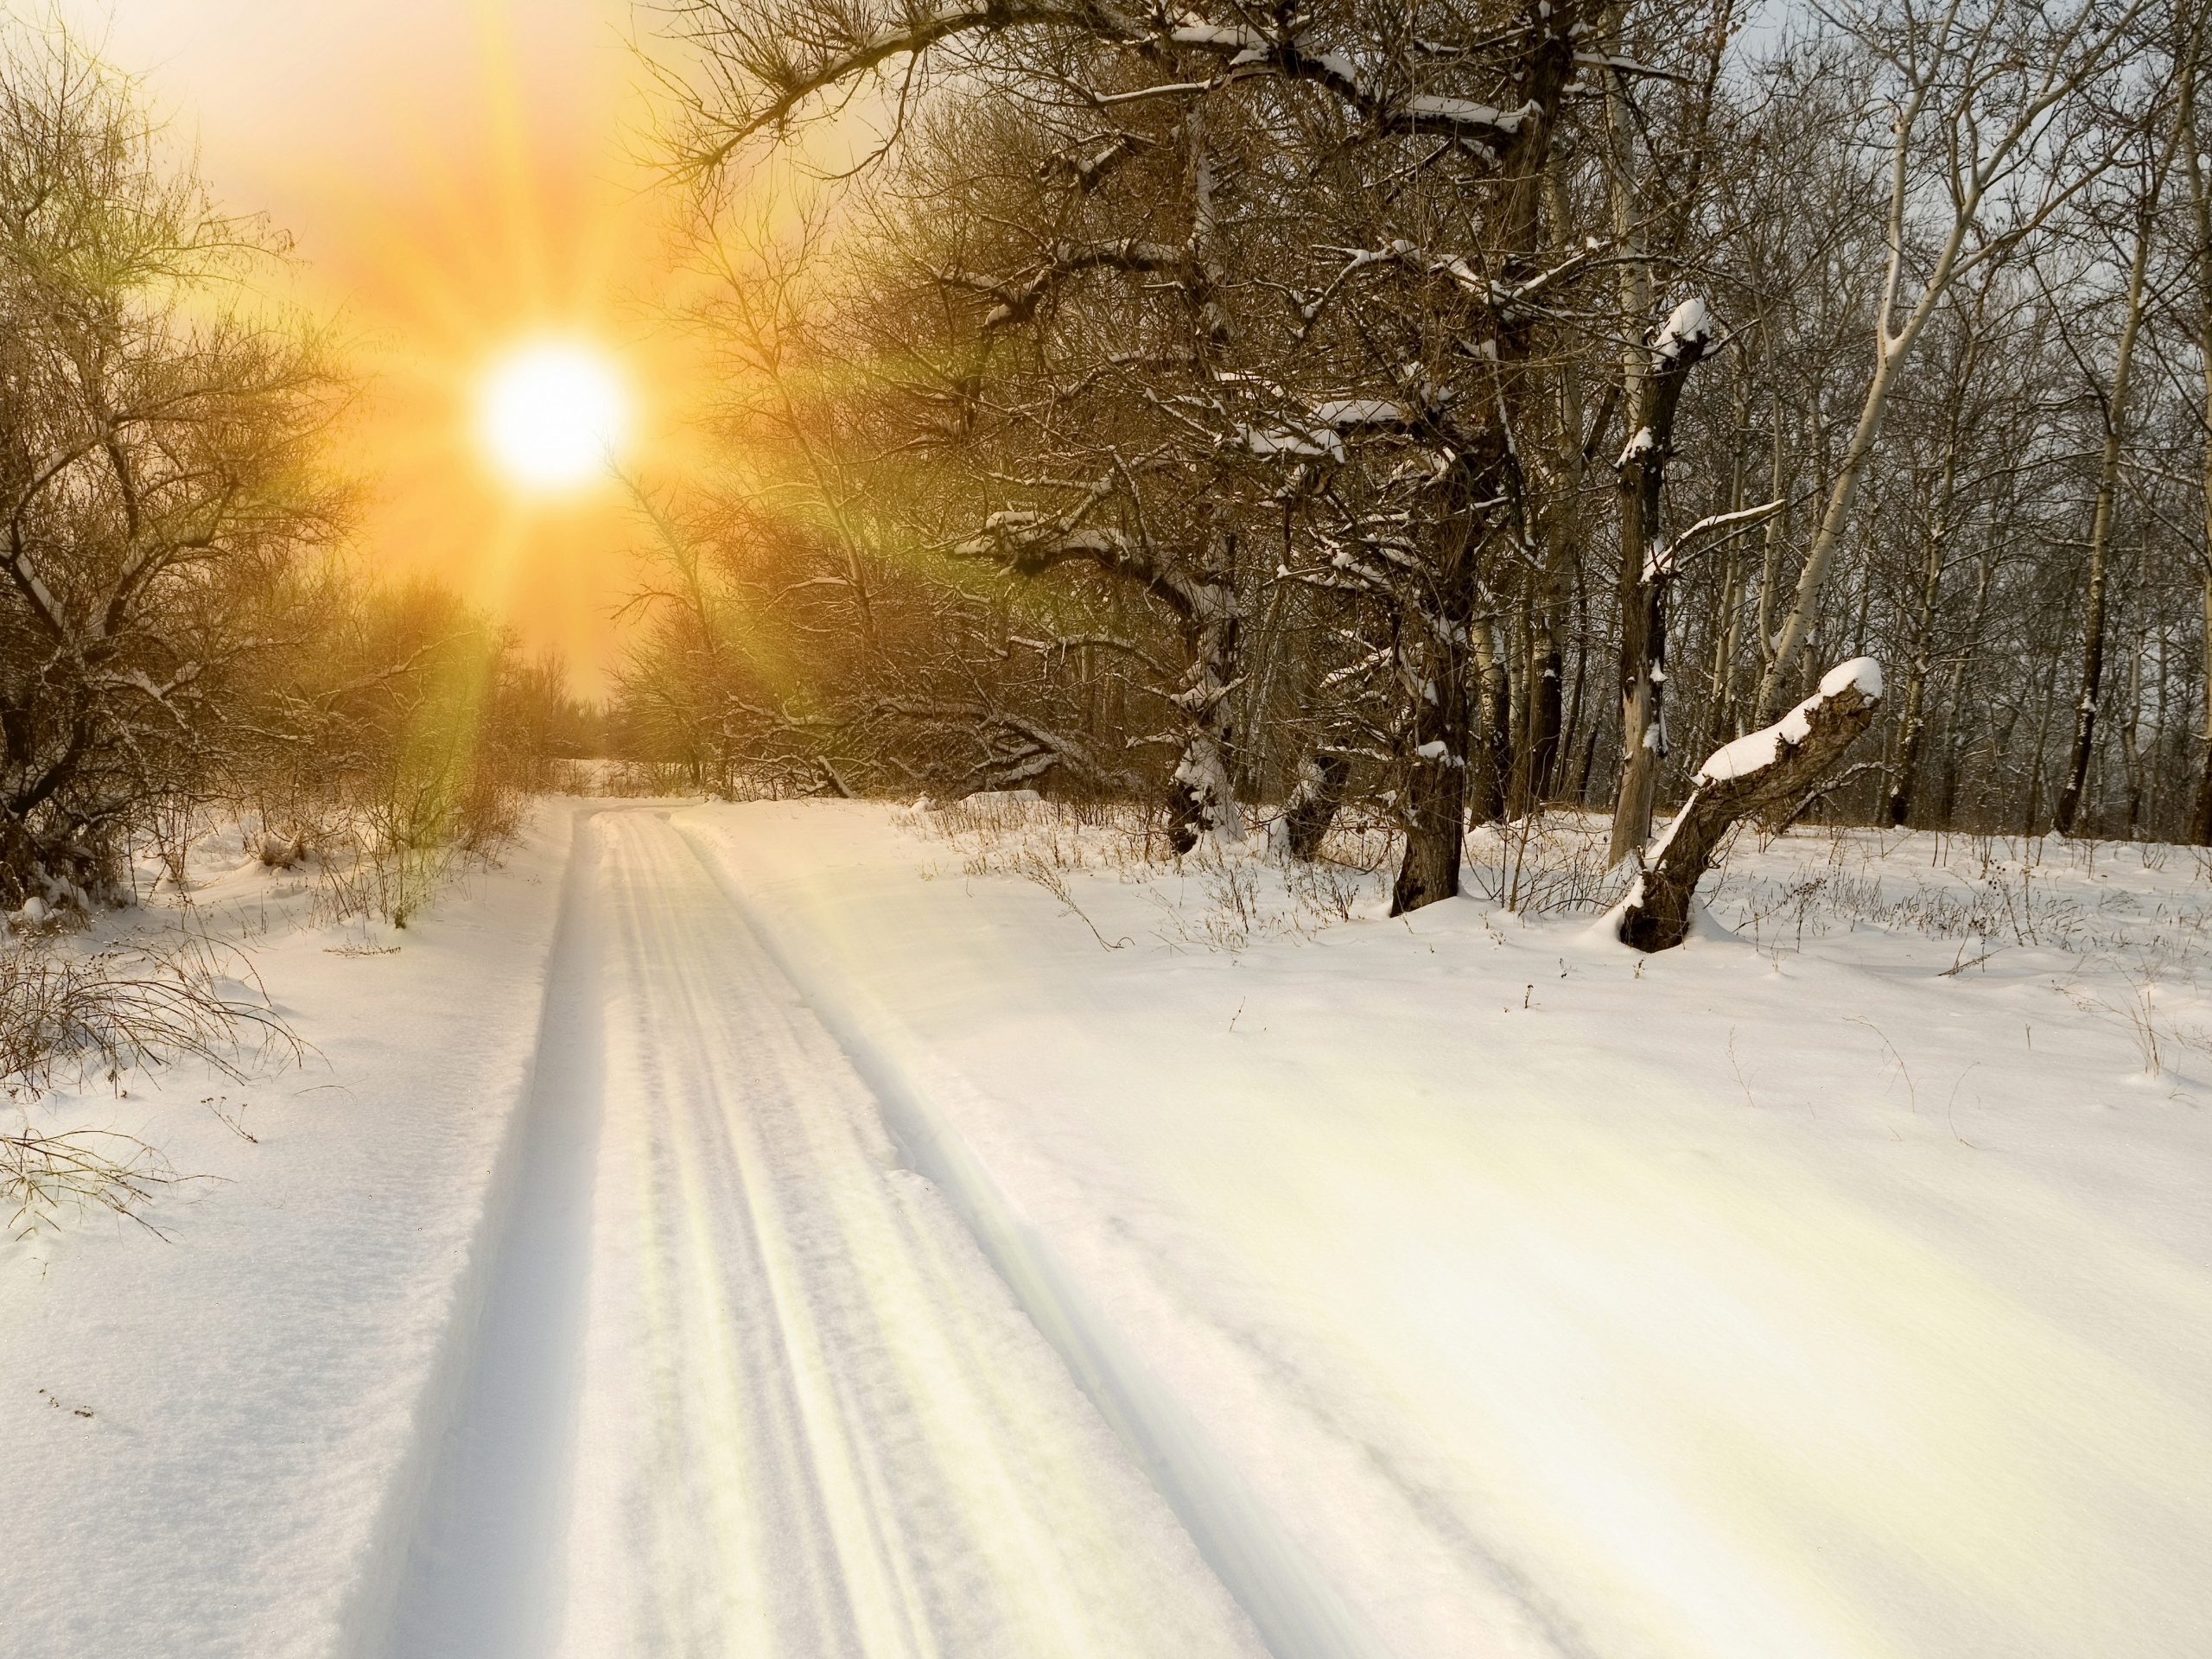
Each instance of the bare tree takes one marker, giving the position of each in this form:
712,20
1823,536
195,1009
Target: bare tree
157,433
1988,139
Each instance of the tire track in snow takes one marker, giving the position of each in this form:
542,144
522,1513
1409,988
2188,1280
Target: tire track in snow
477,1576
1296,1610
746,1385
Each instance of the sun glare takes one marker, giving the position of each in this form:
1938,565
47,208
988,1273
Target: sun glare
554,415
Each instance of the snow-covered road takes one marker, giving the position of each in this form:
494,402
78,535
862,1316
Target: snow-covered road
772,1229
746,1385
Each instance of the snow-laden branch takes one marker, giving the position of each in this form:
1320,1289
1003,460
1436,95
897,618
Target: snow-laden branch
1758,753
1507,302
790,74
1027,544
1690,327
1318,434
1018,296
1709,531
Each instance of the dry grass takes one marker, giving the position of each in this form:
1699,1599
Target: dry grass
98,1015
1550,863
1214,897
108,1011
2148,904
51,1178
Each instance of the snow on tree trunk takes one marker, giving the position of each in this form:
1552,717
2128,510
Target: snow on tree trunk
1433,663
1766,774
1313,805
1646,572
1201,800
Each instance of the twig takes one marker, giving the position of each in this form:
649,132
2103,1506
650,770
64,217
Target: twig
1912,1094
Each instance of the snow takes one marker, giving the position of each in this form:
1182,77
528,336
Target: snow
1689,323
1338,65
1549,1304
1862,671
1756,751
1324,445
660,1352
896,1254
1359,412
1194,30
1466,112
807,1418
258,1388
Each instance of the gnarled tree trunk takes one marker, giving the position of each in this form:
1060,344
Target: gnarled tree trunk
1767,775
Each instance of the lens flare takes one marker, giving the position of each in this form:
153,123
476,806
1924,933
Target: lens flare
554,415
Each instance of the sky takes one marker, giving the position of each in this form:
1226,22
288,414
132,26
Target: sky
460,178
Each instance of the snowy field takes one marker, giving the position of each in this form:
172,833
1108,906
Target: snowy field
829,1228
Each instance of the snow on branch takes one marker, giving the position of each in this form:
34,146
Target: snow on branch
1690,327
1319,436
1028,543
1018,297
1290,443
1087,173
1708,532
1015,749
1759,752
791,68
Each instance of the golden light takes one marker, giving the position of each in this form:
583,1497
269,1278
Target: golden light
554,415
463,182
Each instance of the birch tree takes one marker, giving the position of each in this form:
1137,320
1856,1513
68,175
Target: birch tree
1989,135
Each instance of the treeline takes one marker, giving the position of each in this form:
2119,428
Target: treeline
1453,407
179,634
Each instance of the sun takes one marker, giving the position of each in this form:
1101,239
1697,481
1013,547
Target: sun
554,415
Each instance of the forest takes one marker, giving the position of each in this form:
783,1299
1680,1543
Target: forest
1091,828
1447,413
1450,411
188,627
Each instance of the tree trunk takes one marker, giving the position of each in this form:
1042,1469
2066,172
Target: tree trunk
2200,811
1770,554
1434,663
2093,620
1201,800
1728,615
1647,571
1313,805
1490,757
1797,624
1898,805
1434,629
1544,711
2200,202
1768,775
